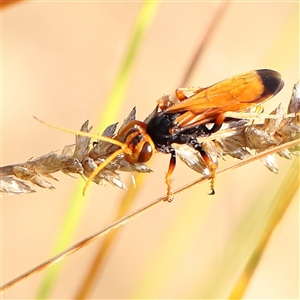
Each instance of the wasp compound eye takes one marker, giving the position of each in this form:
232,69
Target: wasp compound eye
145,153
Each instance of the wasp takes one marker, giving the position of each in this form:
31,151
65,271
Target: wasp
186,122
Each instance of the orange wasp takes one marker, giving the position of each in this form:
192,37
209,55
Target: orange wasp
186,121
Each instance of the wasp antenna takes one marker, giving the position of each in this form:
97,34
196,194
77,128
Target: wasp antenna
124,148
87,134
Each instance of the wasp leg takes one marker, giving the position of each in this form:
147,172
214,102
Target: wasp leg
212,168
208,161
171,168
235,110
218,123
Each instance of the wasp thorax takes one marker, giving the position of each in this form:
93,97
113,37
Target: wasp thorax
140,144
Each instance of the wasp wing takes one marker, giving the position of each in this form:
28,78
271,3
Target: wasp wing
236,93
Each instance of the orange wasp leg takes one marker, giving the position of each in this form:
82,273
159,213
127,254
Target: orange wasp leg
212,169
171,168
208,161
218,123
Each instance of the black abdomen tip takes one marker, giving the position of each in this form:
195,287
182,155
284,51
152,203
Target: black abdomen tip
271,80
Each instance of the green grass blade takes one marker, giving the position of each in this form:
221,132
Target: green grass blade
282,199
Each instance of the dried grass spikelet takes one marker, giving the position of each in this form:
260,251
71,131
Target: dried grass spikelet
81,158
238,138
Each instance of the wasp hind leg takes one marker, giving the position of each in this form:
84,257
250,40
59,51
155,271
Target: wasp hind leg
212,169
208,161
